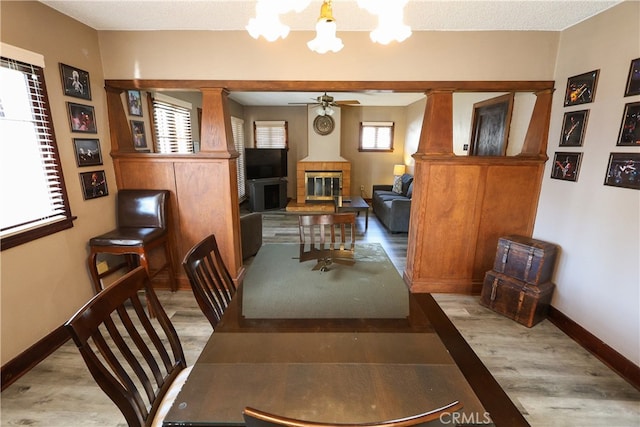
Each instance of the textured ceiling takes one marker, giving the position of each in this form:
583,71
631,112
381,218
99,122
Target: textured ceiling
421,15
438,15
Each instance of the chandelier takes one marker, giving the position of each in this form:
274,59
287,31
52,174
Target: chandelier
390,27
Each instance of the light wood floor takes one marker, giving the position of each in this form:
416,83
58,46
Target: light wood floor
550,378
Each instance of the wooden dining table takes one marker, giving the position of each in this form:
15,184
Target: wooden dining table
347,345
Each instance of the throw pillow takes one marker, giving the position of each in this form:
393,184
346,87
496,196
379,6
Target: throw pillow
410,190
406,180
397,185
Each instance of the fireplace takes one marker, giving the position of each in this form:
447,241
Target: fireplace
322,185
322,181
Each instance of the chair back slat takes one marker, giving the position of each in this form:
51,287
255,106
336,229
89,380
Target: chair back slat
134,358
327,236
209,278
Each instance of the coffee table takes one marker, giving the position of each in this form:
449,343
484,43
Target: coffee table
354,204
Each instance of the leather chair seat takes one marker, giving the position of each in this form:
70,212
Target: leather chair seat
128,237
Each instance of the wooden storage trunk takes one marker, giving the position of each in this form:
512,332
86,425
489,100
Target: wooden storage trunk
526,304
526,259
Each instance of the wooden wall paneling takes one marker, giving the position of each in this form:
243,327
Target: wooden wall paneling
204,211
445,233
508,207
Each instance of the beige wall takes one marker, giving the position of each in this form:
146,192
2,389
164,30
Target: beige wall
44,282
597,276
597,226
235,55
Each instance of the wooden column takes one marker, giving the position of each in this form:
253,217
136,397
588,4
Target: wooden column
461,205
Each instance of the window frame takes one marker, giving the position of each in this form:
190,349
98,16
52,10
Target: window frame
23,234
176,107
280,124
376,126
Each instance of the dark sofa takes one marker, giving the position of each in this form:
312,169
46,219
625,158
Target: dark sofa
393,208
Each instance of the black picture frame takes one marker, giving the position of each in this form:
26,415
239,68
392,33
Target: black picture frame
134,102
629,134
623,170
491,121
82,118
75,82
87,152
574,127
94,184
138,134
633,80
581,89
566,166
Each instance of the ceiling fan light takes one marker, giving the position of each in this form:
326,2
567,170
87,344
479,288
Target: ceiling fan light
329,111
320,110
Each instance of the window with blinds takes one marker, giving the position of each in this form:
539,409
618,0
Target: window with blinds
172,127
237,128
34,199
376,136
270,134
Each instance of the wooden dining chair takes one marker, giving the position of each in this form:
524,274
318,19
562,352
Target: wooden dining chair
257,418
327,238
137,361
210,280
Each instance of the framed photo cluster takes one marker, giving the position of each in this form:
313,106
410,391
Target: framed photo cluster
82,119
581,89
623,169
134,105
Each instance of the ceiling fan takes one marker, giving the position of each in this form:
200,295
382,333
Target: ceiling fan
329,101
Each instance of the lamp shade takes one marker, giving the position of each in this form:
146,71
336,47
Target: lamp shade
398,170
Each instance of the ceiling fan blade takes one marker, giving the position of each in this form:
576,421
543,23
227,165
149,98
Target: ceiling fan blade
347,102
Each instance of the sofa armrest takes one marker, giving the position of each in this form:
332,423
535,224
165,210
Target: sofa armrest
401,207
382,187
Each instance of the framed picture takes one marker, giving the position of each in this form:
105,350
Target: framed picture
139,138
134,100
630,127
490,126
623,170
87,152
82,118
574,126
566,166
94,184
633,81
75,82
581,89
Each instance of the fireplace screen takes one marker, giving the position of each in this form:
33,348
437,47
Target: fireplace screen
325,185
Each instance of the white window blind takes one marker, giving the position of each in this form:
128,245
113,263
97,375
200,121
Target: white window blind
270,134
376,136
172,126
33,195
237,128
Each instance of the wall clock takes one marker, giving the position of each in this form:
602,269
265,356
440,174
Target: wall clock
323,125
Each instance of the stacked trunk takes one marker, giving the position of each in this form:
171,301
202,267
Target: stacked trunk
519,286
